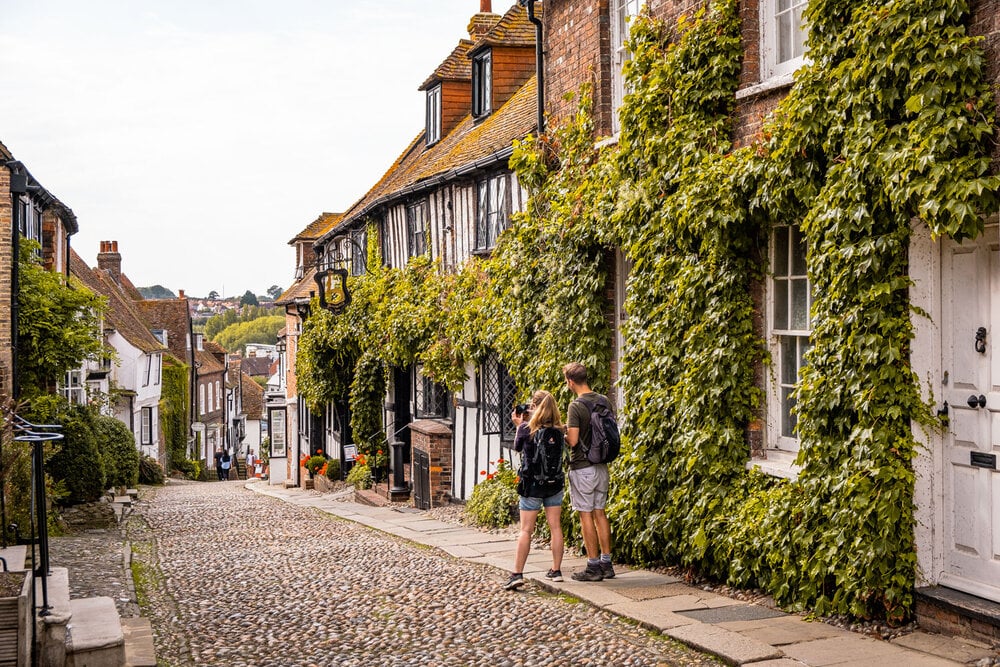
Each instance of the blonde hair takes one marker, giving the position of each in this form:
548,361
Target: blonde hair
545,412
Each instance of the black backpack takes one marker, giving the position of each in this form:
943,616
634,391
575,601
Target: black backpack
605,438
546,469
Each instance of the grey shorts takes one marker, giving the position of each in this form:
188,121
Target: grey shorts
588,488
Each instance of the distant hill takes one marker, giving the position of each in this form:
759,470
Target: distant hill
156,292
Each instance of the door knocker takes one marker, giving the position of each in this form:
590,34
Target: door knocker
981,340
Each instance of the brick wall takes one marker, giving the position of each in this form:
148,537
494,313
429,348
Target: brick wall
6,259
435,438
512,66
575,36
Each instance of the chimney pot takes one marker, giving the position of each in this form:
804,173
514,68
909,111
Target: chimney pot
109,260
485,7
180,294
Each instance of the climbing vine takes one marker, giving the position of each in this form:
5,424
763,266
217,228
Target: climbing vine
886,127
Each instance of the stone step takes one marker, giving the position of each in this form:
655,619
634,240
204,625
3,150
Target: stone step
94,635
952,612
139,648
51,628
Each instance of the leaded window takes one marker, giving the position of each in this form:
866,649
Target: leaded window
416,229
431,399
497,393
493,210
359,251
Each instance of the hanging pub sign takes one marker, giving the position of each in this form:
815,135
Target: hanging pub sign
333,294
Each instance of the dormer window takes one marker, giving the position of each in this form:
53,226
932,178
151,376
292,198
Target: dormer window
482,84
434,115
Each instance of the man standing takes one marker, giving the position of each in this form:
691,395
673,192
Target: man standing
588,482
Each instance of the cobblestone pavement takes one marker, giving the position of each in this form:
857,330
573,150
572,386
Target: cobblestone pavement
95,560
230,577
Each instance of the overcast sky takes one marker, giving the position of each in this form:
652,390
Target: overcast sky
202,135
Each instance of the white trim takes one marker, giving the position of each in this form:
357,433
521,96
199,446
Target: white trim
770,67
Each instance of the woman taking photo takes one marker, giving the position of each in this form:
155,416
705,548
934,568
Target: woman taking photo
539,428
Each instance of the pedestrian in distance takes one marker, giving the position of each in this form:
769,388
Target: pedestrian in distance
539,436
218,463
226,465
588,482
250,460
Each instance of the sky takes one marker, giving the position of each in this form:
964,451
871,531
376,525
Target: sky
203,135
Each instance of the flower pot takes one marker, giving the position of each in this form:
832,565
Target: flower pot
15,618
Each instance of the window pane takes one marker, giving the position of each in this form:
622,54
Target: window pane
798,252
780,267
780,304
784,24
788,420
798,34
800,304
789,360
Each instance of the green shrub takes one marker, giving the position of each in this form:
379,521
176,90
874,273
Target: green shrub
150,471
360,477
494,500
76,460
314,463
189,468
121,458
333,470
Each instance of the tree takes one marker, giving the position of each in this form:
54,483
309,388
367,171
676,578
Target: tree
249,299
57,326
155,292
213,295
262,330
274,291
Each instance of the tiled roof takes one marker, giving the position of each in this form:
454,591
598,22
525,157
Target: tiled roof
256,366
208,363
471,142
213,347
253,398
456,67
122,313
173,316
315,229
514,29
299,290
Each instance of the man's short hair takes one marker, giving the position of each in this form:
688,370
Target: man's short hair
576,372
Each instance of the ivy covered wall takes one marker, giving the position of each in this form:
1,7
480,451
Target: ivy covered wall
888,123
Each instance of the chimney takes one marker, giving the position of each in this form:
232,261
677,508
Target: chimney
109,260
180,294
483,22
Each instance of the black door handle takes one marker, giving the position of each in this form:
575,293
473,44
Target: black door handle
976,401
981,340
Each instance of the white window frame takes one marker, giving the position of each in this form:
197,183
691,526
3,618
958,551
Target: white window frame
773,64
201,399
622,11
782,335
146,426
218,395
210,401
73,388
434,115
147,373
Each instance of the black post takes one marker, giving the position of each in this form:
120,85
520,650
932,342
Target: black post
398,478
42,568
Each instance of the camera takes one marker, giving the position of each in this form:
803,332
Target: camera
522,408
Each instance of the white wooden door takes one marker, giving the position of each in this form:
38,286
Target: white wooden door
970,330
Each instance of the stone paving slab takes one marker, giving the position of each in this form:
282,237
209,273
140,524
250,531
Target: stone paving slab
859,651
649,616
14,556
785,630
955,648
735,647
139,649
742,612
779,662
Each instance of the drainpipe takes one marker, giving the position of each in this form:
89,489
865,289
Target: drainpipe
539,65
18,188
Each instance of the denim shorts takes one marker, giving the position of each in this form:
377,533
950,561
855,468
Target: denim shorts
536,504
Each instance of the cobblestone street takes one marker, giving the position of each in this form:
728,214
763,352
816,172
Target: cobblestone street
230,577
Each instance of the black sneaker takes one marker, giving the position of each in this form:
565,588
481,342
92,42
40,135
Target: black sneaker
515,582
554,575
589,574
607,570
